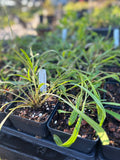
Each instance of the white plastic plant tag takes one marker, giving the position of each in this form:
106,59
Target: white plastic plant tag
64,34
43,79
116,37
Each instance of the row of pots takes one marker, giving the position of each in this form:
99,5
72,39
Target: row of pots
43,129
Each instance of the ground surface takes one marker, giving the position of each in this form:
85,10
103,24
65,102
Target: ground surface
19,30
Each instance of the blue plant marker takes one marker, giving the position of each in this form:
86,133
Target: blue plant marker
43,79
116,37
64,34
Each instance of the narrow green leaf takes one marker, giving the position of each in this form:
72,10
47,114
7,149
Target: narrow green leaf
19,75
27,57
114,114
35,69
107,59
102,112
72,138
62,111
29,78
74,114
100,131
111,103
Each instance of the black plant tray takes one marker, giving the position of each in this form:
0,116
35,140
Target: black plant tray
108,153
10,154
111,153
100,155
103,31
45,143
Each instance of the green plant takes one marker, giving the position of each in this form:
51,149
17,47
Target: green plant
71,6
42,26
82,103
105,17
95,58
33,97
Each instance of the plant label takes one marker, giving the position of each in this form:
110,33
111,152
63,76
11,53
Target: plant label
64,34
116,37
43,79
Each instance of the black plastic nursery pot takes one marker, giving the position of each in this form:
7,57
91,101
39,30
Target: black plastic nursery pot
81,13
103,31
41,18
2,116
50,19
30,126
110,152
82,145
43,31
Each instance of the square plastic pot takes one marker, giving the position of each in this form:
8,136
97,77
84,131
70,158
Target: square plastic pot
81,144
110,152
2,116
29,126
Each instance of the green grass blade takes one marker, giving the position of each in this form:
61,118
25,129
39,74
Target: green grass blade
72,138
27,58
114,114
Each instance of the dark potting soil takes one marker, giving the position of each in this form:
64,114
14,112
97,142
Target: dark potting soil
115,69
5,98
112,127
1,64
113,92
38,114
60,122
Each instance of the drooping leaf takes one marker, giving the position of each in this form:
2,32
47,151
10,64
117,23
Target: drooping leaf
72,138
114,114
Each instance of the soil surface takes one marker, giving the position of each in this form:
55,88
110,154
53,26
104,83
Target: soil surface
5,98
112,127
115,69
40,114
19,30
60,122
113,92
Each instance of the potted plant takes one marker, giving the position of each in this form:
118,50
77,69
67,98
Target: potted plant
30,111
80,7
87,102
111,124
6,87
49,11
104,23
87,106
42,29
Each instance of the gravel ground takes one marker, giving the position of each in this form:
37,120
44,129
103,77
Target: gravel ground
19,29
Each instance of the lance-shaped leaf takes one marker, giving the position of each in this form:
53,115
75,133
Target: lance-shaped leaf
72,138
